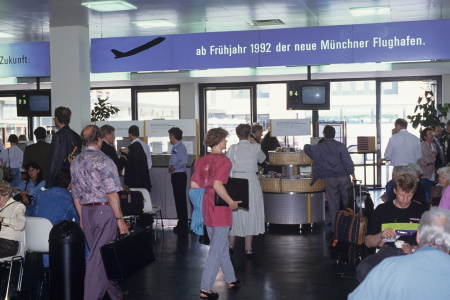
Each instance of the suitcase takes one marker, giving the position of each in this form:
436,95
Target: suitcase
127,254
360,200
347,246
350,231
131,202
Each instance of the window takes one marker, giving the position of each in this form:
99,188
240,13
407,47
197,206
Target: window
10,123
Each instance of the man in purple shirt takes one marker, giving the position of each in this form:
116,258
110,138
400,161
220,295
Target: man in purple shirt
95,183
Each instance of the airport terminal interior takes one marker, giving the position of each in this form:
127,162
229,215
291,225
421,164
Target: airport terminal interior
65,49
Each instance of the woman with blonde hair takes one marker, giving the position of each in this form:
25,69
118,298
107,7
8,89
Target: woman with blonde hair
12,221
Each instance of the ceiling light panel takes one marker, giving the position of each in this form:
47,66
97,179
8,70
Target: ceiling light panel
6,35
370,11
153,23
110,5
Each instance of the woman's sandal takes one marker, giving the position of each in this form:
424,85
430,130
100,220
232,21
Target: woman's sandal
208,295
249,253
231,249
234,284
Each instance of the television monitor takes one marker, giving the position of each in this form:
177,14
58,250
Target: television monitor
34,104
308,95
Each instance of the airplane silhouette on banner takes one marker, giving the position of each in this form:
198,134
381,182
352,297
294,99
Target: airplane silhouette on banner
152,43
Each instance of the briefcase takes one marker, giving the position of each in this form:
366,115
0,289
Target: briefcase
237,188
131,202
127,254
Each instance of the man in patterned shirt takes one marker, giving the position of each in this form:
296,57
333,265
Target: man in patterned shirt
95,183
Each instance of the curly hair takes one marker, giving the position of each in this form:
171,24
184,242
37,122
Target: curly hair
5,188
424,133
243,131
214,136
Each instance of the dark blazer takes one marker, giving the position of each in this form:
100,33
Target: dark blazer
136,169
111,152
63,143
40,153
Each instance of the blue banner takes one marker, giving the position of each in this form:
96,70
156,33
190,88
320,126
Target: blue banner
385,42
25,60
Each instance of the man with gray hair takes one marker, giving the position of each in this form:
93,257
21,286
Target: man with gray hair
422,275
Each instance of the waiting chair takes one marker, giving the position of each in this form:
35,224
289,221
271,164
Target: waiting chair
9,262
150,209
37,232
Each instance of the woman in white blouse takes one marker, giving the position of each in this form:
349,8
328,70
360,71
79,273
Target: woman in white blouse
12,221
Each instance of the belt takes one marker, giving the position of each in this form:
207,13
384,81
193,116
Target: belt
95,203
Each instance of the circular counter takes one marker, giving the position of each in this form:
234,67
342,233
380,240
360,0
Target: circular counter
294,208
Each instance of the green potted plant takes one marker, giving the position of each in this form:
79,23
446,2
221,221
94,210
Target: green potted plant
103,110
427,113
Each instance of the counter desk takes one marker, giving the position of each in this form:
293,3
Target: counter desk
162,192
292,200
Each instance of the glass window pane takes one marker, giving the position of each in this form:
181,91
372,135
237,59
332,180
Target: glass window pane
227,109
120,98
398,100
10,123
158,105
271,104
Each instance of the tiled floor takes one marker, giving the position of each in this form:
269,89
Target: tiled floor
287,264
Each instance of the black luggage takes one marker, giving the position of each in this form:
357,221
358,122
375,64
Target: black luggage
347,246
131,202
360,200
127,254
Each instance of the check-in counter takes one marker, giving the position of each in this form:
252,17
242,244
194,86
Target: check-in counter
291,199
162,193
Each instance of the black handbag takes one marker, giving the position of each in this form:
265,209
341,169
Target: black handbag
127,254
237,188
131,202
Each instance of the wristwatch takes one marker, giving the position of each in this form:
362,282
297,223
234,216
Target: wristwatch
413,249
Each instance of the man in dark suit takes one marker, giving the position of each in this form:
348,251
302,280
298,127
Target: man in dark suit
108,146
39,152
139,161
64,142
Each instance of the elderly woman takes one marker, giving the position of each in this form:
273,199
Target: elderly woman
429,153
211,172
244,156
12,221
444,182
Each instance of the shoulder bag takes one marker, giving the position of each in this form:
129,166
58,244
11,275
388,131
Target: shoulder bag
8,173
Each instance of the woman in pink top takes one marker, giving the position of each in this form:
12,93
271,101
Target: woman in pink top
444,181
211,172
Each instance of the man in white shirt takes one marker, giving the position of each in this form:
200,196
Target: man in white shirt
403,147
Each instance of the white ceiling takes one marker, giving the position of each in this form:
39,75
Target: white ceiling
30,20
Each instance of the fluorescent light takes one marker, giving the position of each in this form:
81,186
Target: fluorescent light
154,23
6,35
8,80
370,11
110,5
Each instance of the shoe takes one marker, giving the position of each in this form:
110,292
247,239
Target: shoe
231,250
208,295
125,295
249,253
234,284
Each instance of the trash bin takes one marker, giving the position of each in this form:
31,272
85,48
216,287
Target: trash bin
67,261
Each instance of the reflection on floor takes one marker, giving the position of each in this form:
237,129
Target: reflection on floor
287,264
